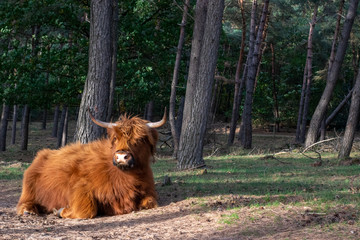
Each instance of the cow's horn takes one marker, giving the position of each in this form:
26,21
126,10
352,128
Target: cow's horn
101,123
159,123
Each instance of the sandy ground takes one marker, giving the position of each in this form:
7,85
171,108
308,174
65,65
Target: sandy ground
219,217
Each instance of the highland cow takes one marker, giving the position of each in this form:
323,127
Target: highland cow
109,176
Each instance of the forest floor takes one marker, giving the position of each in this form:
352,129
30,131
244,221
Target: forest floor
189,210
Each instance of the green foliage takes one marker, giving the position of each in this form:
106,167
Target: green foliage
148,38
50,67
47,67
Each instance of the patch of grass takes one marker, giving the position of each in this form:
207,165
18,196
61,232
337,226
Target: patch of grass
229,219
266,182
12,172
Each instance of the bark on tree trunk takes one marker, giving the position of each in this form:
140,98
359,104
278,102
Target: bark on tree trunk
172,120
355,58
4,125
56,121
331,60
332,77
336,33
149,109
96,92
352,122
250,81
239,83
63,128
114,38
14,119
274,91
25,127
308,77
248,59
205,43
179,118
301,106
338,108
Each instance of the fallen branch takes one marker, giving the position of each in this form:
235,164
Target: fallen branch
314,144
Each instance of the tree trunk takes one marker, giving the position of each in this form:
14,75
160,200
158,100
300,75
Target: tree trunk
62,133
352,122
114,40
323,128
14,119
308,77
338,108
301,106
331,60
65,129
4,125
336,33
252,40
274,91
149,109
250,81
179,118
44,118
56,121
239,83
332,76
174,130
25,127
96,92
355,58
205,43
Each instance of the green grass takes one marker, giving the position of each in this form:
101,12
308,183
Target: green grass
230,219
12,172
292,179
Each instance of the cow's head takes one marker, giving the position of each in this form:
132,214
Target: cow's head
133,140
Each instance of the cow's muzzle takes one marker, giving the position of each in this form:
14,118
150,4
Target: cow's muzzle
123,160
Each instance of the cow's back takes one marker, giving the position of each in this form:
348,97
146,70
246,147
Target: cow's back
55,172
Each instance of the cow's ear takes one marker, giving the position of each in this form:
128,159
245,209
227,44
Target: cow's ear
153,138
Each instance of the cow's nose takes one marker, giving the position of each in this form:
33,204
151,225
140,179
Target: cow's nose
122,157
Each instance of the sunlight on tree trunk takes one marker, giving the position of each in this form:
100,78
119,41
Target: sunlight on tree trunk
97,86
205,43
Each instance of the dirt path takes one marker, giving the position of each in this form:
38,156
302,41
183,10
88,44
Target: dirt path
206,218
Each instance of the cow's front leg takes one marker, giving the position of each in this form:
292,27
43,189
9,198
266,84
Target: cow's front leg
148,202
81,205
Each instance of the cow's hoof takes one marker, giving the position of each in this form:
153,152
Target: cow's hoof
58,212
28,213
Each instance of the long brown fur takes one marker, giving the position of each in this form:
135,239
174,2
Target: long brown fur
82,179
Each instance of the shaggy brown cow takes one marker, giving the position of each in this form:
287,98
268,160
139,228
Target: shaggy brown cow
106,177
